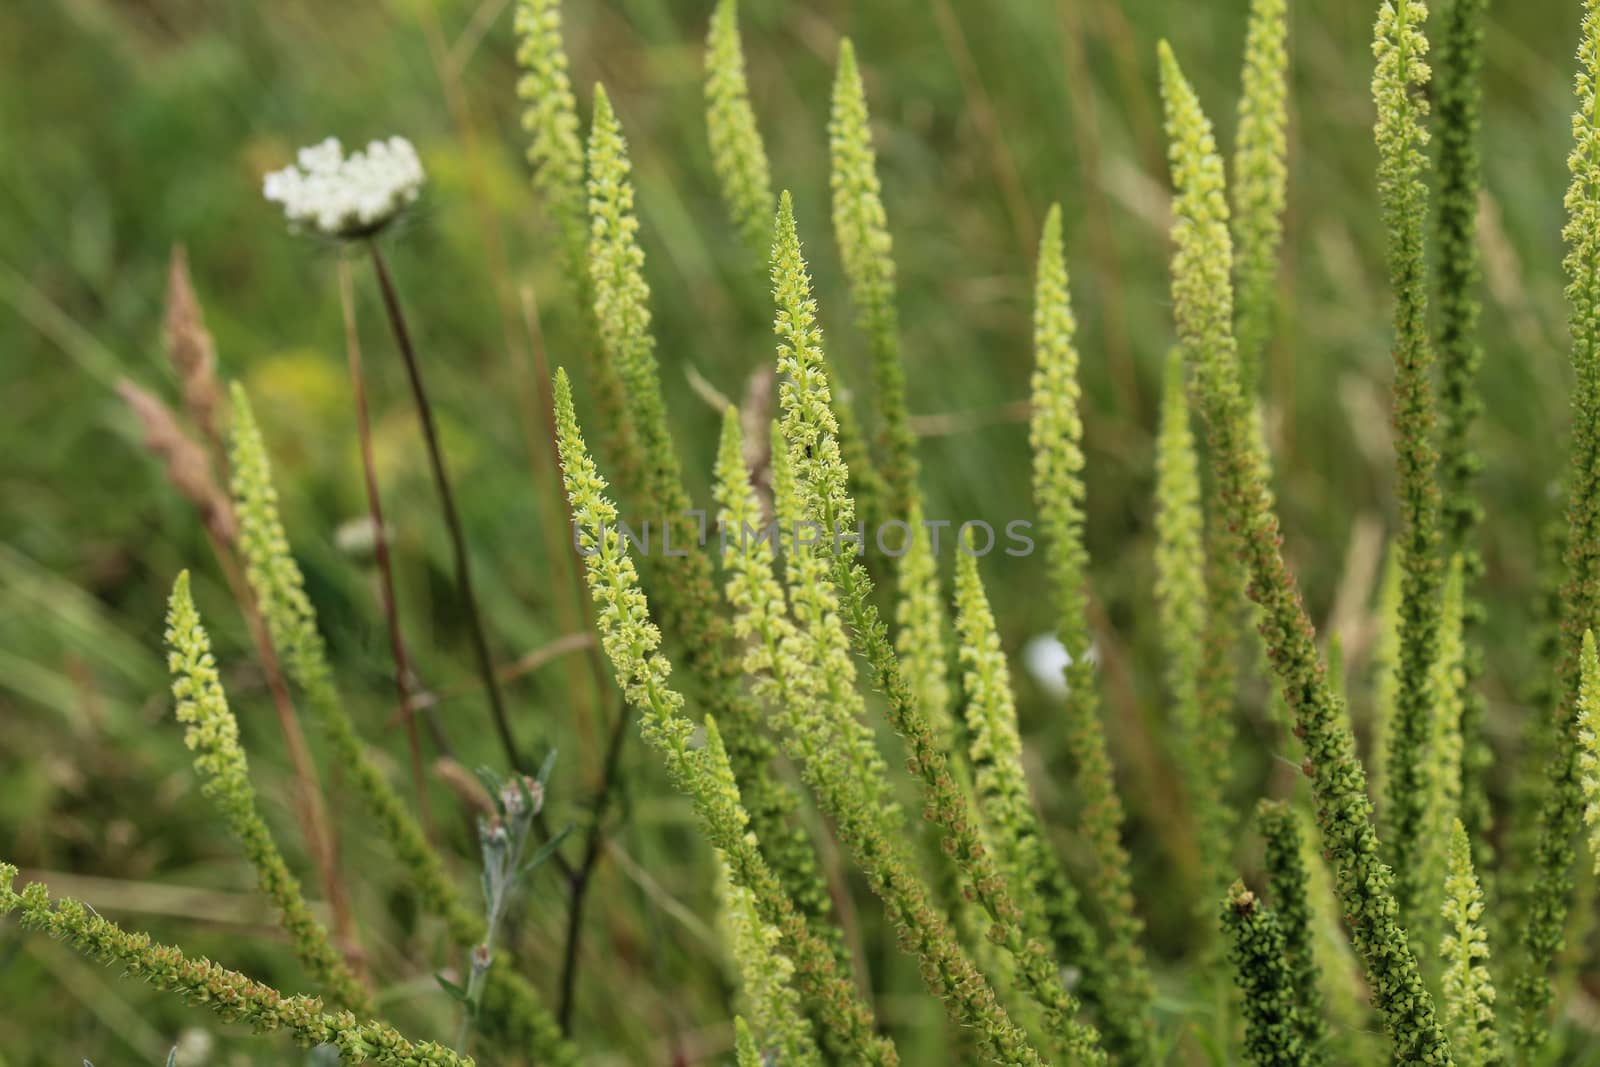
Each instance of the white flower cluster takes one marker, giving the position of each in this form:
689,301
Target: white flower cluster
347,197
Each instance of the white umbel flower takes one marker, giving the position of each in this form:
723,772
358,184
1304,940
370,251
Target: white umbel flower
351,196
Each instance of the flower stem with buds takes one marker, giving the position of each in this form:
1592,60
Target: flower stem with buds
503,838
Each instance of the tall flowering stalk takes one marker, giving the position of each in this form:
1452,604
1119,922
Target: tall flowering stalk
1203,300
739,157
804,670
513,1009
1266,987
1399,77
213,733
555,141
861,227
1260,181
737,154
1289,883
1013,829
1055,435
556,154
1259,191
228,994
1467,992
705,774
689,599
190,467
1205,740
1551,876
889,492
811,431
1460,101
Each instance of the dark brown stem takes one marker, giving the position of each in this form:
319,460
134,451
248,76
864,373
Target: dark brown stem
380,540
458,544
580,877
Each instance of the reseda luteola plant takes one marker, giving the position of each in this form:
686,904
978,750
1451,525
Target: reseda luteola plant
1029,936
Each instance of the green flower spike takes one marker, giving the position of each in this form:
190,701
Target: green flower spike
1056,435
1468,993
922,637
1550,878
1459,95
1013,830
1260,968
1441,808
1400,74
746,1052
803,668
228,994
275,578
555,144
1205,741
632,642
556,153
1203,300
213,733
1289,882
861,227
737,154
1260,181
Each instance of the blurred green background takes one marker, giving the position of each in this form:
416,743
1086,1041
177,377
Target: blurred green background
129,126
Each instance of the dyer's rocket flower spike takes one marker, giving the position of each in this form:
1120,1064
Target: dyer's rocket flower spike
1266,987
213,733
632,642
1467,991
347,196
230,995
737,153
1202,293
1550,898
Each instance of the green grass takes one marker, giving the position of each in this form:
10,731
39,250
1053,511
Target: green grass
126,128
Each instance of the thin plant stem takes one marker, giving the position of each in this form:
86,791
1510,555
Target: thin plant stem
380,540
458,543
529,396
